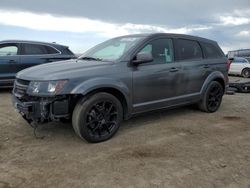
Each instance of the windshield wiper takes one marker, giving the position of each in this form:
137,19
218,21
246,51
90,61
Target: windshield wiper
90,58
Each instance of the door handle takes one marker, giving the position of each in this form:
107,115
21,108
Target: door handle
12,61
174,69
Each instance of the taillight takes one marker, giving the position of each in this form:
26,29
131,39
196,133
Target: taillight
229,64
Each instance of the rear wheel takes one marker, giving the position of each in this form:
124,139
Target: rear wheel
98,118
212,98
245,73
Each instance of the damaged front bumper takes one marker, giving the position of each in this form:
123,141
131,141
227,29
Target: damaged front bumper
42,110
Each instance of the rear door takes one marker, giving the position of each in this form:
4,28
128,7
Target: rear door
9,59
36,54
190,57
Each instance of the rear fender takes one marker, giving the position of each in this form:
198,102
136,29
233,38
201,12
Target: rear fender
213,76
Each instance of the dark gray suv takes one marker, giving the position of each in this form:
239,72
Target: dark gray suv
123,77
16,55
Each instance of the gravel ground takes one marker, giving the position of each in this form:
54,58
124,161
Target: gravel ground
174,148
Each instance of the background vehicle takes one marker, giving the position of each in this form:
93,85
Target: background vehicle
18,55
240,66
123,77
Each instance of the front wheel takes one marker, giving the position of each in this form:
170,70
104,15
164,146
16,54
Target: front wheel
98,118
212,98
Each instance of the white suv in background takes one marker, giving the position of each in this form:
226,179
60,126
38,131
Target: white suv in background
240,66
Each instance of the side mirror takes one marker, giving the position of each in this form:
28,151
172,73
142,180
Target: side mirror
142,58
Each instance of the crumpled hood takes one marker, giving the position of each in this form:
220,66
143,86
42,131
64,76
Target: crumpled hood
61,70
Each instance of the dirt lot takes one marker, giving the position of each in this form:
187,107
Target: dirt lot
175,148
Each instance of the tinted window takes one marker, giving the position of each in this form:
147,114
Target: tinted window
188,50
161,49
34,49
210,51
8,49
37,49
51,50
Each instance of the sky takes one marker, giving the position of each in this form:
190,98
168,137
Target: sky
81,24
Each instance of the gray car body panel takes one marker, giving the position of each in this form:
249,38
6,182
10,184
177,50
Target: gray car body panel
145,87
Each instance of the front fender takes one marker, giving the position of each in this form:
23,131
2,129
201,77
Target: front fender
98,83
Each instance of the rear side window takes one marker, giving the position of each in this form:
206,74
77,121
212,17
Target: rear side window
8,49
67,51
37,49
210,51
188,50
51,50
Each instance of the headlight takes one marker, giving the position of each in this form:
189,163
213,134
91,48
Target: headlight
46,87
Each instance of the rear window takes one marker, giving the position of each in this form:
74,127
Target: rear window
210,51
188,50
37,49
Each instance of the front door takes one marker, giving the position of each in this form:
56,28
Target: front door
156,82
9,59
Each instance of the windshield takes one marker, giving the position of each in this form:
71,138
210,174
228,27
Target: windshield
111,50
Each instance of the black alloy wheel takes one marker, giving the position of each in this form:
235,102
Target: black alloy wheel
101,119
98,117
212,97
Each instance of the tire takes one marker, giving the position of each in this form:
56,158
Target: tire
245,73
98,117
212,98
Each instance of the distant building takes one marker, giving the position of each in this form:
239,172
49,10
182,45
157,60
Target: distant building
239,53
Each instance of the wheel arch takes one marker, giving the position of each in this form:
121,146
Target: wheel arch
115,88
115,92
215,76
245,68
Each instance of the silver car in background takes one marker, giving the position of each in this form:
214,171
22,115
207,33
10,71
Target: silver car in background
240,66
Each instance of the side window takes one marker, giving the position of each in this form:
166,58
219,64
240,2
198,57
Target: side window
239,60
188,50
236,60
210,51
8,49
244,61
161,49
51,50
34,49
